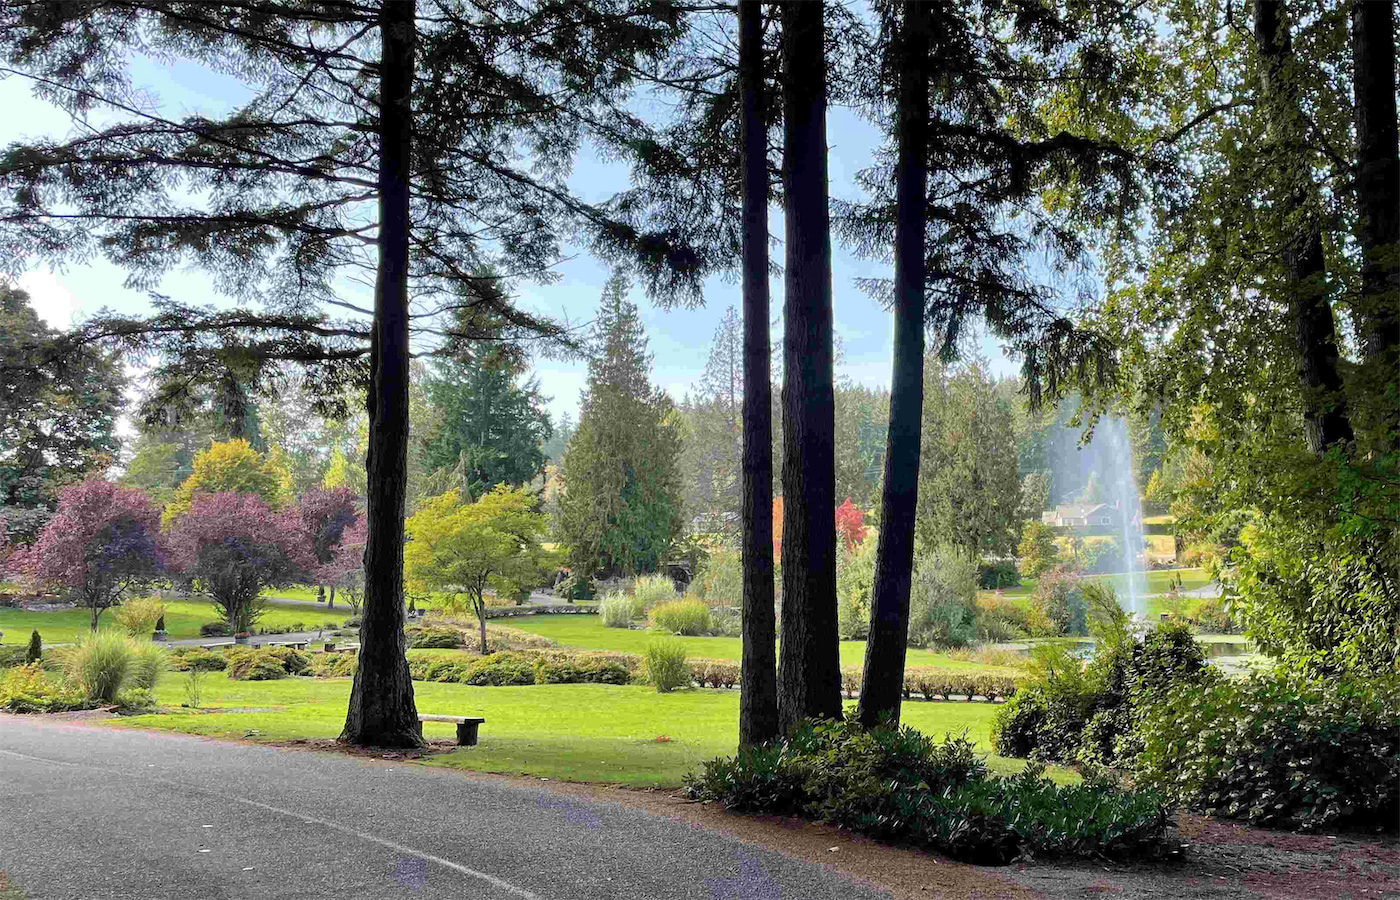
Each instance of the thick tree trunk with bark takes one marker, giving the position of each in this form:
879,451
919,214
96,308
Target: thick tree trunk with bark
1326,417
809,667
1378,205
883,681
382,712
758,688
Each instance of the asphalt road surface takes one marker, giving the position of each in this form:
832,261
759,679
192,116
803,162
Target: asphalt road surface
88,812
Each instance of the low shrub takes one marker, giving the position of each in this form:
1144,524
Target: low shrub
28,689
897,784
1001,618
714,673
721,579
98,664
943,607
293,661
215,629
584,668
1213,616
500,669
1059,603
332,665
616,609
727,621
1277,749
12,655
247,664
198,659
855,589
688,617
666,667
438,637
34,652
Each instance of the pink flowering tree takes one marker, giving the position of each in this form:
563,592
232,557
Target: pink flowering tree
233,545
102,545
346,567
326,513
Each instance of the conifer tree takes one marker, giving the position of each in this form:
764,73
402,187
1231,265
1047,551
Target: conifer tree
621,505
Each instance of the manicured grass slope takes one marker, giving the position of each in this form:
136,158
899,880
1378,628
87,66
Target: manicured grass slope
182,620
587,632
578,732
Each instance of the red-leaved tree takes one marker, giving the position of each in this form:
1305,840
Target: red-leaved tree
346,567
850,524
102,545
233,545
326,513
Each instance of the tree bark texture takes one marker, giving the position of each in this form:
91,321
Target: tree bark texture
1378,204
1326,417
382,712
809,668
758,688
882,684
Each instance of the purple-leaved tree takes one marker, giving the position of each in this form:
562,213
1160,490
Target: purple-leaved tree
234,545
346,567
326,513
102,545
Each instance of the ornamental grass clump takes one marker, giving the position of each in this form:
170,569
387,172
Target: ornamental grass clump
98,665
148,662
687,617
616,610
651,590
666,666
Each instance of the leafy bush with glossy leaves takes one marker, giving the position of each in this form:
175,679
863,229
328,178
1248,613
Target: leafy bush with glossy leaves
897,784
1278,749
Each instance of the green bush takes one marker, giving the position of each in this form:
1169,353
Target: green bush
333,665
247,664
1001,618
688,617
996,574
896,784
139,615
1278,749
855,587
293,661
943,600
583,668
500,669
149,661
28,689
721,580
649,591
715,673
434,637
616,609
215,629
666,667
1059,601
99,664
187,659
35,651
12,655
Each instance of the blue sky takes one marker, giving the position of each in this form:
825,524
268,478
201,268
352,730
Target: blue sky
679,338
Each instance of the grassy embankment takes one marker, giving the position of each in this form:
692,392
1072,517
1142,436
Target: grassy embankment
182,620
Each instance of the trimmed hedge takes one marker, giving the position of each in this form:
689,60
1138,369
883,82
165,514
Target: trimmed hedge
433,637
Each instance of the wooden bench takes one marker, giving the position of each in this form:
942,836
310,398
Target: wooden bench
466,727
216,645
295,645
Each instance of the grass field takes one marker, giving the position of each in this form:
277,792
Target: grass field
588,633
182,620
577,732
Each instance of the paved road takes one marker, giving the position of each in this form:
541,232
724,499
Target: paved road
88,812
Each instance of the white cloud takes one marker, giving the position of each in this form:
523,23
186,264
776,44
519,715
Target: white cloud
51,298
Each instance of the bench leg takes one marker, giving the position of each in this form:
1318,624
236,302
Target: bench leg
466,734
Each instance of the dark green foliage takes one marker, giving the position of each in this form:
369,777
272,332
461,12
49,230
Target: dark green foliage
333,665
581,669
184,659
293,661
1059,599
1278,749
215,629
500,669
263,664
1068,712
12,655
35,651
897,784
995,574
434,637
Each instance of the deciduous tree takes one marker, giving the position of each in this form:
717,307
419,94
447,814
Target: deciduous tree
229,466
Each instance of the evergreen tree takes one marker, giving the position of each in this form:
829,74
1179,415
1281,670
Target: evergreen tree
713,455
560,435
491,426
621,505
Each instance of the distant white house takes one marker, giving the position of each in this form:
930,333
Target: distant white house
1084,515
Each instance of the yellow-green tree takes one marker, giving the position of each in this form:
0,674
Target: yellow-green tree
461,549
228,466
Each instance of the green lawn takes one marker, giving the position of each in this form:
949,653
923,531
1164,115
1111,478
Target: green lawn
182,620
577,732
587,632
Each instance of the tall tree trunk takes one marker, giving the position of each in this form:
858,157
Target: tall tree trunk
381,711
758,688
1378,205
883,681
809,666
1326,418
330,598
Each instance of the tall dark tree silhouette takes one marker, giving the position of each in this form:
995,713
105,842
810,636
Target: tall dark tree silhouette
809,668
883,681
758,691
